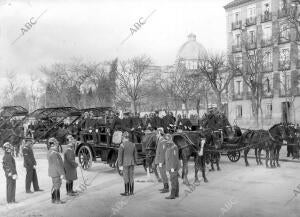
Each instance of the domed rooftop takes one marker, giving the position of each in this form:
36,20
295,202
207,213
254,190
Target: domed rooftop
191,49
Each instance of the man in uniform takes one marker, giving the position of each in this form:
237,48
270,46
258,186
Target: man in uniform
70,166
137,125
84,126
55,170
167,121
9,166
157,120
127,158
127,124
160,159
172,166
30,165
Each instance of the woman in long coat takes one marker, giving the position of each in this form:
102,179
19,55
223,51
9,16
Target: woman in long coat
70,166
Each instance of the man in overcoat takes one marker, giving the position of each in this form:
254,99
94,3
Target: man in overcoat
127,158
55,170
30,165
9,167
172,166
160,159
70,166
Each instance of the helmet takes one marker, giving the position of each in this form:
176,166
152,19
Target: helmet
7,147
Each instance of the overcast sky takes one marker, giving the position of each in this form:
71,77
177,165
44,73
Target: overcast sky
94,29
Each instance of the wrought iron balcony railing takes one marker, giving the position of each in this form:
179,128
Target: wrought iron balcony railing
251,21
284,65
266,17
284,38
267,67
236,48
236,25
266,42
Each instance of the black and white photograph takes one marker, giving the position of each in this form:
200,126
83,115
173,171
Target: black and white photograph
149,108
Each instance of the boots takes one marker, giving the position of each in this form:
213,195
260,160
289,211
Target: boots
71,188
131,188
177,191
172,195
53,196
57,197
165,189
126,193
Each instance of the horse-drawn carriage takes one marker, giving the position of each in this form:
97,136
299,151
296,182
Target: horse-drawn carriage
53,122
99,142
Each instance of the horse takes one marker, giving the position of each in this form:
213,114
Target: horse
192,144
149,144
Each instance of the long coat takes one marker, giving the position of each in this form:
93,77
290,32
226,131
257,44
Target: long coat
70,165
29,159
56,166
127,154
160,151
172,158
9,164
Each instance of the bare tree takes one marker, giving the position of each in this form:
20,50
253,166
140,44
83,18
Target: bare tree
131,77
12,87
217,73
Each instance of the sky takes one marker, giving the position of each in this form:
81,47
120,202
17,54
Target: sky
94,30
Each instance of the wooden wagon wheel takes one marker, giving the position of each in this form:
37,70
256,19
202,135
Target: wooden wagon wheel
85,157
234,156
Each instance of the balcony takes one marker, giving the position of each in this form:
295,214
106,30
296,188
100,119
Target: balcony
251,21
236,25
251,45
237,96
266,17
266,42
284,93
236,48
267,67
283,12
284,38
284,65
267,94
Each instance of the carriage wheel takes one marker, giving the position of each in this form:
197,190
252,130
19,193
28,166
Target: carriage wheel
118,169
85,157
234,156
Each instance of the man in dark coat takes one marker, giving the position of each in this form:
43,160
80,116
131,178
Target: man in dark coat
127,125
70,166
160,159
167,122
157,121
187,124
55,170
30,165
127,158
172,166
9,167
137,125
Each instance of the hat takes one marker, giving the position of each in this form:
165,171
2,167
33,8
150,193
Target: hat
7,146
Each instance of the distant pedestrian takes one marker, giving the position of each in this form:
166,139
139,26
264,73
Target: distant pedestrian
172,166
30,165
127,158
70,165
55,170
9,166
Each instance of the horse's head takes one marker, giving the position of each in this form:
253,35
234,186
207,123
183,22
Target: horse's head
279,131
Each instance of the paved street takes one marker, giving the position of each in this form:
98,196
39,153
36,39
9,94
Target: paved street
233,191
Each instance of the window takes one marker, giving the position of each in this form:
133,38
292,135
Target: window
238,86
284,55
284,31
267,32
238,40
285,82
268,59
268,83
251,35
269,110
251,12
236,17
266,8
283,4
239,111
238,61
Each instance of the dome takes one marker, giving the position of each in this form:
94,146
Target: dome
191,49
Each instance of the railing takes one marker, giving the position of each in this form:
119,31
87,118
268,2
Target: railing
251,21
266,42
267,67
284,38
286,65
250,45
237,96
268,94
236,25
266,17
283,12
236,48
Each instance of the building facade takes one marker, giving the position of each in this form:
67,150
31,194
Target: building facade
262,26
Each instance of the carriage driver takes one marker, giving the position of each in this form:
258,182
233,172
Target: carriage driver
55,170
127,158
160,159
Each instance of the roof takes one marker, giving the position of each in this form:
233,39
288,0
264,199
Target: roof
97,111
191,49
55,112
10,111
236,3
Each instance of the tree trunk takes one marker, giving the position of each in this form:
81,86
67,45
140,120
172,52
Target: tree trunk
219,101
133,106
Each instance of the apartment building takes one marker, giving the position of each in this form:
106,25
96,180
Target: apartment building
262,26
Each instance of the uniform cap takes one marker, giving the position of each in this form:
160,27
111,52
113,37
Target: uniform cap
7,146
